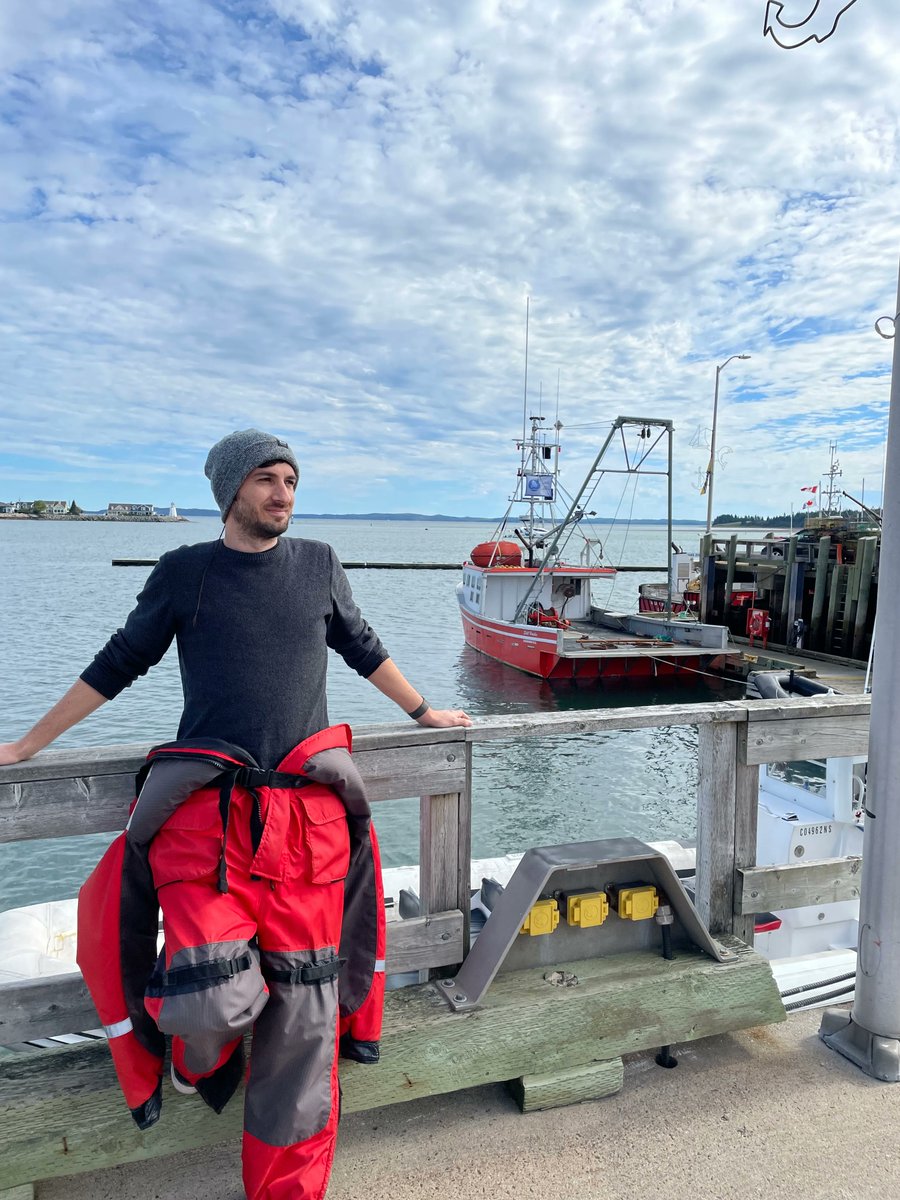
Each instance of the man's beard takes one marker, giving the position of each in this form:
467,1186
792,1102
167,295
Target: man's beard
259,527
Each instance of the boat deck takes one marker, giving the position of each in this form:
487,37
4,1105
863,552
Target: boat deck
586,640
752,1114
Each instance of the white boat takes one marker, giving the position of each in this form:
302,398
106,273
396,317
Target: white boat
521,602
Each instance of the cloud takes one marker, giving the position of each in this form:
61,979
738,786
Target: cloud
325,217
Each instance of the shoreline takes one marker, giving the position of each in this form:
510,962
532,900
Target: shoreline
155,520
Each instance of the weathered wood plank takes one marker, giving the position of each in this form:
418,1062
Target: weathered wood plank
868,552
61,1111
58,1004
79,804
716,826
434,940
438,851
807,708
533,1093
45,1007
814,737
127,758
97,761
746,820
395,772
768,889
551,724
816,622
729,571
464,849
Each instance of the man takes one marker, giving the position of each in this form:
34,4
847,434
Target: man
249,867
253,617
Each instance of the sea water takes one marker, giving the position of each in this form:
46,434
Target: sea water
61,598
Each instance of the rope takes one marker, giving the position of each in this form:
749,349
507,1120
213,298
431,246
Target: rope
809,987
692,670
840,994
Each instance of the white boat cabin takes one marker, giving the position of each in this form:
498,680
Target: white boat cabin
564,594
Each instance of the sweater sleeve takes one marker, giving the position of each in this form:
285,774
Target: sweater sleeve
348,632
140,643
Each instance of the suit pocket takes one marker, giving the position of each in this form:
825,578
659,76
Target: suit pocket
326,839
189,845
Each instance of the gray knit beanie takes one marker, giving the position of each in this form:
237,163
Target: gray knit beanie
233,458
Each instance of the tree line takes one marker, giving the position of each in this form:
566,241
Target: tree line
755,521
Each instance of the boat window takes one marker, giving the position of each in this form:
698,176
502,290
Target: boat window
807,775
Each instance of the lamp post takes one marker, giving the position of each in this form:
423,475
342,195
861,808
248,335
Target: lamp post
712,443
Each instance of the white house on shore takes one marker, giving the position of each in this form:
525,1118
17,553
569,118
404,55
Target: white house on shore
130,510
50,507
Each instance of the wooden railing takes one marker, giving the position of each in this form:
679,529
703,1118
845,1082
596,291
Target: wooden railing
67,792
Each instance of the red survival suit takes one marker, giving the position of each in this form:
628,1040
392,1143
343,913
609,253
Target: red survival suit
273,913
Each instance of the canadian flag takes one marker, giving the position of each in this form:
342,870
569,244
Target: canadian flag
809,503
814,488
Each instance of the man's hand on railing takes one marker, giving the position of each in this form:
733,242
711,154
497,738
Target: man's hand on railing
442,718
12,752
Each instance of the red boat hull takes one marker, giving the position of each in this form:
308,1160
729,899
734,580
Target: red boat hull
536,652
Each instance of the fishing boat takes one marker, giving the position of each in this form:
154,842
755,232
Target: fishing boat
525,594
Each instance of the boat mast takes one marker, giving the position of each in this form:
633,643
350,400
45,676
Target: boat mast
576,512
536,484
525,389
833,472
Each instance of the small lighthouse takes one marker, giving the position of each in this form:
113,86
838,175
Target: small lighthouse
173,511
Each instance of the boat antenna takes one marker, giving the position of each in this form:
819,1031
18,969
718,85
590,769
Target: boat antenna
872,513
525,393
557,397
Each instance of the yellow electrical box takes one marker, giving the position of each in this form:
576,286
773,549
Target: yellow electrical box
587,909
638,903
543,918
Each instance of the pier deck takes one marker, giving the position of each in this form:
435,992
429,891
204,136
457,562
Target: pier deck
768,1112
573,1152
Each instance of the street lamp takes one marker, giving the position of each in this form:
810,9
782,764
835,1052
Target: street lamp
712,443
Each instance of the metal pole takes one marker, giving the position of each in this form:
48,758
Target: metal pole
870,1035
712,451
669,527
712,441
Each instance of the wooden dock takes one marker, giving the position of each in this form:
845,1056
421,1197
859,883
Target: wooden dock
60,1109
793,579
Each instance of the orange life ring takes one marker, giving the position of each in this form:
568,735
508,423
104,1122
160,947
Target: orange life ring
756,625
547,616
497,554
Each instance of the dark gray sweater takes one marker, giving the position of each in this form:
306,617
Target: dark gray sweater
252,645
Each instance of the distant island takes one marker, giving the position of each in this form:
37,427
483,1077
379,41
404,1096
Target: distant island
782,521
433,517
73,513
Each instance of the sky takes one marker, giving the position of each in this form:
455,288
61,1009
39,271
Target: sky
324,218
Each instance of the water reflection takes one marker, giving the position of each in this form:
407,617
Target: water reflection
572,787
